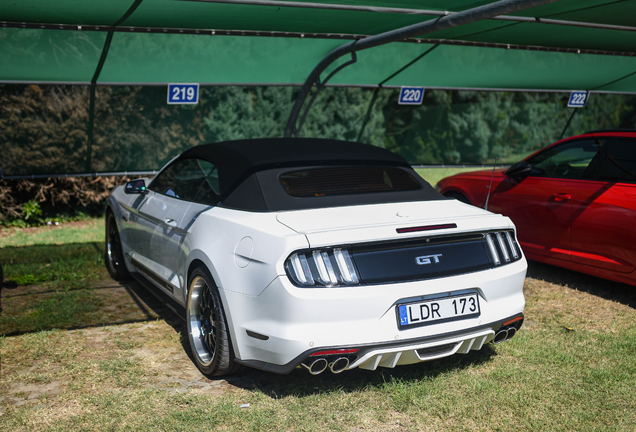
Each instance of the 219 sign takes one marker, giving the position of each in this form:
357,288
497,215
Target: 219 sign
183,94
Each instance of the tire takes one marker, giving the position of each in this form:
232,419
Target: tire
208,332
458,196
114,255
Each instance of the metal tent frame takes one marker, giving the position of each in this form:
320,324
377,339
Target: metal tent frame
597,36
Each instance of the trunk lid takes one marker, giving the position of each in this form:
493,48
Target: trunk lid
369,223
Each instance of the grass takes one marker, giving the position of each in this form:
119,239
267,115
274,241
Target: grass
91,230
66,256
571,367
71,265
434,175
62,261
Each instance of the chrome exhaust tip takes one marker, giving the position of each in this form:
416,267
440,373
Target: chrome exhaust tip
317,367
511,332
501,336
339,365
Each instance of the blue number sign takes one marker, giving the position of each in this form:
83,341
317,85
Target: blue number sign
183,93
404,320
578,99
411,96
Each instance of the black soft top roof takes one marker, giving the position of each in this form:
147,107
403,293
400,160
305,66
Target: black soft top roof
237,160
249,172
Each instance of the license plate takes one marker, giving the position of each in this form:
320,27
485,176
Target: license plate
438,310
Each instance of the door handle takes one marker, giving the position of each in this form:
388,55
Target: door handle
558,197
171,222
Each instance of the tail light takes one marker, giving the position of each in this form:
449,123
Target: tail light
502,247
322,267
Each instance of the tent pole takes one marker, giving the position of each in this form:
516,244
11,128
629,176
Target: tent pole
377,89
321,85
407,11
368,114
91,105
98,71
629,121
501,7
568,123
89,129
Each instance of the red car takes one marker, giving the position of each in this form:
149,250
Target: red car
573,202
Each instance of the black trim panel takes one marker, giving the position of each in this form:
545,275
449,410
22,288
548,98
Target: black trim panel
148,273
420,261
171,303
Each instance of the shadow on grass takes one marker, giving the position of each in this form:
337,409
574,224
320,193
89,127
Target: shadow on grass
148,303
67,287
69,264
608,290
300,383
33,308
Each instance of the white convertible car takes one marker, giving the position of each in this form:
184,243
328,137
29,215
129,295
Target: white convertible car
288,253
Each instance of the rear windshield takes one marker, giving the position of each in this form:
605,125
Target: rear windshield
346,180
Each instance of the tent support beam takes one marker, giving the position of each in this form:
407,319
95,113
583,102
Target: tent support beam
377,89
406,11
321,85
91,104
629,121
296,35
368,114
567,125
501,7
98,71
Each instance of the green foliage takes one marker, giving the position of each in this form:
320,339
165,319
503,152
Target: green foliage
51,201
473,127
338,113
43,129
32,211
262,112
246,112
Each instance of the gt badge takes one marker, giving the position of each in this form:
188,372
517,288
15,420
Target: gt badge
426,259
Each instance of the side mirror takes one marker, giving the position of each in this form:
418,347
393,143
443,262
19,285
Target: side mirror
520,169
135,187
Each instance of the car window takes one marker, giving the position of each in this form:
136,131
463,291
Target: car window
569,160
348,180
620,161
209,192
190,180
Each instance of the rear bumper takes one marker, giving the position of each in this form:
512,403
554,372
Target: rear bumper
391,354
285,324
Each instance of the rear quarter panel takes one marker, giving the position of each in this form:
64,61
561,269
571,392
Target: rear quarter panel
473,185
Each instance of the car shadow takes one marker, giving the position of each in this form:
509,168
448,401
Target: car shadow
606,289
152,302
147,307
301,383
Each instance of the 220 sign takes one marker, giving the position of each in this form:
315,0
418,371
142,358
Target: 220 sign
411,96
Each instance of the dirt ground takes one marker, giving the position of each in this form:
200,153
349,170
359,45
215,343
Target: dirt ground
38,367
